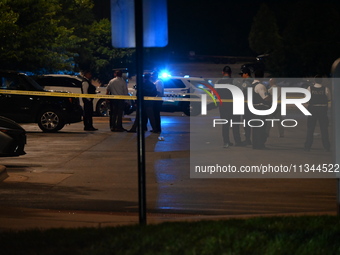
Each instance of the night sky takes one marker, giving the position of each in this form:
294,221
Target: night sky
215,27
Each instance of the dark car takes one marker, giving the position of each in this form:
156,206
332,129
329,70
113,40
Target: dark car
12,138
50,112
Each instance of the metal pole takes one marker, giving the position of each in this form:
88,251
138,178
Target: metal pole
140,106
336,122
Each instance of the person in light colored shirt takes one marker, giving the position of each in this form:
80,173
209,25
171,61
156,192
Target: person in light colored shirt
117,86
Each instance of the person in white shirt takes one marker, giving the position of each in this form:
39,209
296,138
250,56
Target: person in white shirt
117,86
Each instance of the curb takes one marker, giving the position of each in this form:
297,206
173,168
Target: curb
3,173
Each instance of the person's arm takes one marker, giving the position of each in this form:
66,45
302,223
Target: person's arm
328,94
262,91
108,89
125,89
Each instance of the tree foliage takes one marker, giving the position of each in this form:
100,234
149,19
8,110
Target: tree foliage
264,34
46,36
307,43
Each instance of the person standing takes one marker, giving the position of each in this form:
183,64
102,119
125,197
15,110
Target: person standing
247,83
88,88
277,113
117,86
158,104
226,111
318,107
149,90
260,102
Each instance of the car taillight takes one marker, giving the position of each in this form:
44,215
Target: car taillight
73,100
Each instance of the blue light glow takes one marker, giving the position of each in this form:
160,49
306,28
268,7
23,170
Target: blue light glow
164,75
155,20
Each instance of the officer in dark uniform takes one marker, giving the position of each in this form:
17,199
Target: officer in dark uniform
149,90
247,81
260,102
88,88
318,107
226,111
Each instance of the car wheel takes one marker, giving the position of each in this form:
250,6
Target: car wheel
102,108
191,108
50,121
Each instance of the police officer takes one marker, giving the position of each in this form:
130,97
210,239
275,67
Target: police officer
88,88
226,111
260,102
158,104
318,107
247,82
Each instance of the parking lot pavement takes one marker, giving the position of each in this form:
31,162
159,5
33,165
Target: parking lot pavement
3,173
76,178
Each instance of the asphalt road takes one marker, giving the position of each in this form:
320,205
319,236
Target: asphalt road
97,171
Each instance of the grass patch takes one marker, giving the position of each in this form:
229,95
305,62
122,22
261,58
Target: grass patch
276,235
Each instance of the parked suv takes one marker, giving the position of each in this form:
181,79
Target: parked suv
72,84
50,112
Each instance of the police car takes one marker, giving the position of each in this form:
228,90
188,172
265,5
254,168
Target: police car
179,90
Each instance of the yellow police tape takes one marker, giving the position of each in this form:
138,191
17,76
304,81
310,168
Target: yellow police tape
68,94
187,97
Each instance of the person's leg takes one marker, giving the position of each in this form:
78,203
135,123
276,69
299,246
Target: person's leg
149,109
324,123
247,129
157,111
114,114
120,113
311,122
236,129
87,116
225,127
278,115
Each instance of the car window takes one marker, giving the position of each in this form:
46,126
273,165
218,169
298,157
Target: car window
198,83
173,83
60,82
12,83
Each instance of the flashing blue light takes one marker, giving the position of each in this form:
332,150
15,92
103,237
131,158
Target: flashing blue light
164,75
186,76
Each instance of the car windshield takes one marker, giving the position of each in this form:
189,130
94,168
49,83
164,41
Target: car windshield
199,83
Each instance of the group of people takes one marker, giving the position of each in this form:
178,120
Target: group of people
152,87
262,100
